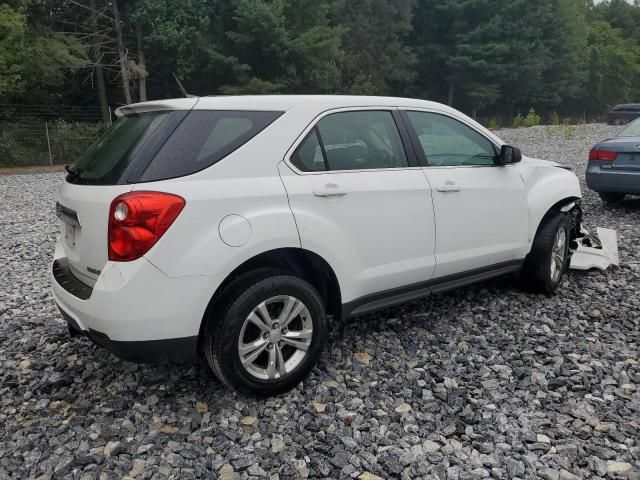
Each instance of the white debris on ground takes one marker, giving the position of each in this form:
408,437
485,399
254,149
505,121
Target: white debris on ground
596,251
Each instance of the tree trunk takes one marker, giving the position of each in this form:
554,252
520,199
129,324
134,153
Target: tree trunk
142,65
122,54
452,88
98,69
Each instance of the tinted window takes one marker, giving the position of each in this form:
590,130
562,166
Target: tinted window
631,130
308,156
107,159
448,142
203,138
361,140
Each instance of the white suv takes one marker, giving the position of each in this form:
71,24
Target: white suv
235,226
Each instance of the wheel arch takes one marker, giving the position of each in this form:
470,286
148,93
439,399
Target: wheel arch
300,262
568,204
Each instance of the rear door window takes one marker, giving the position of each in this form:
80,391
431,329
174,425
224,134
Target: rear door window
203,138
353,140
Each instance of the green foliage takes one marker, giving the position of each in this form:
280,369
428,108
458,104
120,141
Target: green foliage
518,121
489,58
532,119
493,124
377,60
33,60
12,35
68,141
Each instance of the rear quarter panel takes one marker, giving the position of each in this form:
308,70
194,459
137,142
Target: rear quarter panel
245,183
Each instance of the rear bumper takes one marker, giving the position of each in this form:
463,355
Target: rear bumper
145,351
611,180
136,311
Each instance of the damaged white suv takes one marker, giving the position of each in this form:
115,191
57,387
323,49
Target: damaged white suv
233,227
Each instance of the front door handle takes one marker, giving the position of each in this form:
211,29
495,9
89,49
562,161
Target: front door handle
330,190
448,187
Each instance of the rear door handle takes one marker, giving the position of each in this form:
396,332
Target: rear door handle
330,190
448,187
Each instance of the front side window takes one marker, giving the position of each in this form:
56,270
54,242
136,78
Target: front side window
448,142
356,140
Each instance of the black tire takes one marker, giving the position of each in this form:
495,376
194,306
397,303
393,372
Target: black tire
537,272
611,197
223,328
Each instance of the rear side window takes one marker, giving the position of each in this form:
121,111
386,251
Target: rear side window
355,140
308,156
203,138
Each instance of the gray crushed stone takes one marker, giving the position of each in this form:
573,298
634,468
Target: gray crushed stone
484,382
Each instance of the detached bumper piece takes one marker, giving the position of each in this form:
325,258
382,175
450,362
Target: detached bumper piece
67,280
146,351
595,251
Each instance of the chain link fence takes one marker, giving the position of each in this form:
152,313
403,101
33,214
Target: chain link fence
36,135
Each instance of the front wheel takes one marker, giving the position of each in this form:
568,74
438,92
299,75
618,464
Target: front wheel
549,257
268,337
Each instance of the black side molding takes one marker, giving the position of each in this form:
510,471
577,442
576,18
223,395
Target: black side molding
67,280
396,296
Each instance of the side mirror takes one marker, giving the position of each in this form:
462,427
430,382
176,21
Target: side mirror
508,155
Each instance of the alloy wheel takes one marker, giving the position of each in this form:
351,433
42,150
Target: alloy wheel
558,253
275,337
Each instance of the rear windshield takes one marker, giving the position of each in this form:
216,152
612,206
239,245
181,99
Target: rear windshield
166,144
114,153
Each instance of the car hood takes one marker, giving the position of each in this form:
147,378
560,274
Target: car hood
544,163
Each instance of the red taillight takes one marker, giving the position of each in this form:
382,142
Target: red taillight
137,220
603,155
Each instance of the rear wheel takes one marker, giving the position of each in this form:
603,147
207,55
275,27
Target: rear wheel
611,197
268,337
546,263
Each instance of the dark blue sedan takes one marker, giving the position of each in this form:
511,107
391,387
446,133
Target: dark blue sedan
614,165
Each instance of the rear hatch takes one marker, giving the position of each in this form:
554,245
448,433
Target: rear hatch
149,142
627,152
100,175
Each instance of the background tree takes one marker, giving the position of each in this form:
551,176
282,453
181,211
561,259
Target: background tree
486,57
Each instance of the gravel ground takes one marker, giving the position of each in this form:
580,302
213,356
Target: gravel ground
486,381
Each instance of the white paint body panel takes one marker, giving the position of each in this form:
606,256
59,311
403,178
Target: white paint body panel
379,235
480,222
383,234
599,252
